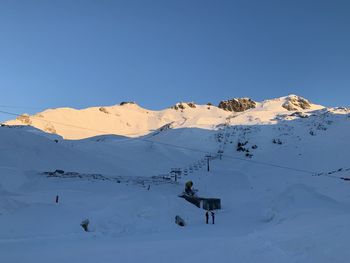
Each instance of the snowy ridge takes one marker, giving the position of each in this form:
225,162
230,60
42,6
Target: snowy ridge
128,119
131,120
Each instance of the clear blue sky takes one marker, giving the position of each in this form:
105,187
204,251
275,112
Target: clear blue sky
86,53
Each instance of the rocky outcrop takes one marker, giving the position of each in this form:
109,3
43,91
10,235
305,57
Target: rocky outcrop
237,104
179,221
127,102
296,103
299,114
183,105
104,110
25,119
191,104
49,128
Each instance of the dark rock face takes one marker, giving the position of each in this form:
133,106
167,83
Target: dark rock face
237,104
295,103
85,225
104,110
126,102
191,104
183,105
179,221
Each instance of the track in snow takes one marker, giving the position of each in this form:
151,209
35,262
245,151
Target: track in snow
143,181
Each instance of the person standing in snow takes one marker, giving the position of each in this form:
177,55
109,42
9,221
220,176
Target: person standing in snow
212,217
188,188
207,217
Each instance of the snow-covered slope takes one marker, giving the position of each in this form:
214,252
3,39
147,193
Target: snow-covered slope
128,119
279,180
131,120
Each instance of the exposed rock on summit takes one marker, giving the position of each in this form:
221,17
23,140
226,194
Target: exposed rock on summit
127,102
295,103
237,104
183,105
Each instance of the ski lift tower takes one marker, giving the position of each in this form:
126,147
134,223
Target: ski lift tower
220,152
175,173
208,156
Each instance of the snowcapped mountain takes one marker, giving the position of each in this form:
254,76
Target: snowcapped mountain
289,127
278,166
129,119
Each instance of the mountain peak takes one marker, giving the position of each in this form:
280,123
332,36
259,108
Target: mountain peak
129,119
237,104
294,102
